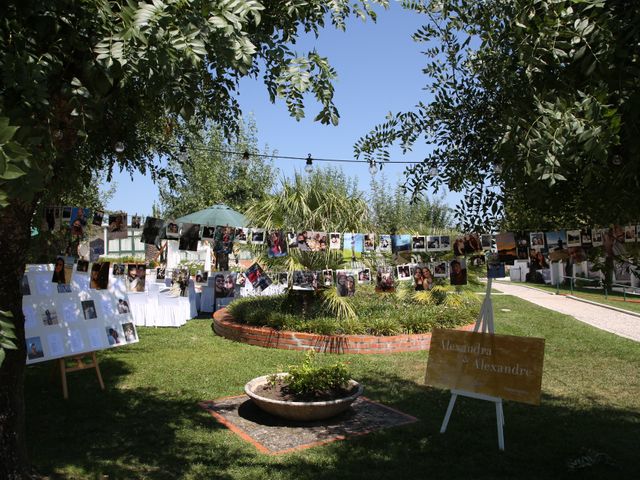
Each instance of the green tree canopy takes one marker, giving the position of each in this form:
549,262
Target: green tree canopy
532,111
206,173
91,85
393,211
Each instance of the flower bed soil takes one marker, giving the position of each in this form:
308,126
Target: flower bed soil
279,391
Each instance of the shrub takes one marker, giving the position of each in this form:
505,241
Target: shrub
309,379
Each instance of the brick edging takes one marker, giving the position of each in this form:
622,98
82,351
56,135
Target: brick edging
268,337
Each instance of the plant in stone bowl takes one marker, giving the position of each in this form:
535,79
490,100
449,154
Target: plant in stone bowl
307,392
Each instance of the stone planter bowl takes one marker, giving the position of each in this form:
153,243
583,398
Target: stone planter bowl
300,411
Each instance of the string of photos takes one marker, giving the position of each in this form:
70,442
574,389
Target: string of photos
537,248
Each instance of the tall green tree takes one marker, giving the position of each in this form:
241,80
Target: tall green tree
392,210
531,110
91,85
207,174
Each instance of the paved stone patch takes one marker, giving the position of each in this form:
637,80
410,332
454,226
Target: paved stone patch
273,435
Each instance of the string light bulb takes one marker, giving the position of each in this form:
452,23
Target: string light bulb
182,156
119,147
373,168
246,156
309,164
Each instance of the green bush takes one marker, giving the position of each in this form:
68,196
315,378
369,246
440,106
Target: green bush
375,313
309,379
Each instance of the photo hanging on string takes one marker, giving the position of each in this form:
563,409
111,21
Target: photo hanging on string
327,277
317,241
79,220
384,279
136,221
173,230
256,276
242,235
506,245
422,277
208,233
334,241
117,227
486,242
257,236
292,240
364,275
276,244
99,279
458,271
305,280
190,236
153,230
573,238
223,241
418,243
345,283
596,237
384,243
440,269
369,243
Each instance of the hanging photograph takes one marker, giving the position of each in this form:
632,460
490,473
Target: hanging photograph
477,260
223,240
334,241
89,310
622,271
129,332
458,271
51,220
62,270
400,243
136,277
79,220
82,266
630,233
522,245
49,316
486,241
117,269
304,280
596,237
422,278
99,276
537,240
122,307
369,242
585,237
189,237
256,276
34,348
506,245
292,240
384,280
257,236
25,289
173,230
458,246
152,231
66,215
384,243
496,270
117,227
440,269
242,235
352,245
225,288
404,272
364,276
276,244
136,221
345,283
433,243
282,278
327,277
573,238
64,287
418,243
98,216
317,241
208,233
556,241
445,243
161,273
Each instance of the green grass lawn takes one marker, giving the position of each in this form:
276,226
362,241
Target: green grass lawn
147,424
615,299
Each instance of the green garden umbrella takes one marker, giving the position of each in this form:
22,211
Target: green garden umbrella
216,215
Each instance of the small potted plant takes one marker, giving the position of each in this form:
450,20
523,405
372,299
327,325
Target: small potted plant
306,392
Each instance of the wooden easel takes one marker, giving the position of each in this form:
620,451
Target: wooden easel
484,324
80,365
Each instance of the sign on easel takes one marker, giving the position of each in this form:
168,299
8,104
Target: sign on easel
502,366
486,366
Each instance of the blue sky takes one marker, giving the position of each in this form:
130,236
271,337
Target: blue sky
379,70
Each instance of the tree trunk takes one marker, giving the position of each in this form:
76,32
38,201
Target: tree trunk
15,234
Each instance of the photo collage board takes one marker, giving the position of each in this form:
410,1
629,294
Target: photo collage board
76,319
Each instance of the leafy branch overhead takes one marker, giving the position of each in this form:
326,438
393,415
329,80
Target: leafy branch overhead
531,111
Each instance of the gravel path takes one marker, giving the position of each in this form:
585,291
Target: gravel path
621,324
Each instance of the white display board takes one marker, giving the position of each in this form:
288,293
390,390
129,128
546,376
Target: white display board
62,322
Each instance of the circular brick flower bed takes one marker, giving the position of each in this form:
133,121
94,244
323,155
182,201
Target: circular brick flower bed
225,326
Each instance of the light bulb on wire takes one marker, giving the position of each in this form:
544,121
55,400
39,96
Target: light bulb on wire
373,168
182,156
246,156
309,164
119,147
